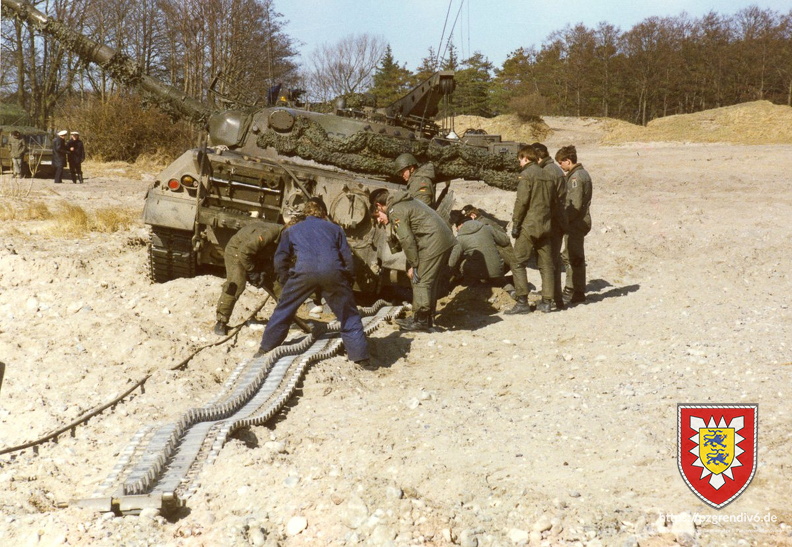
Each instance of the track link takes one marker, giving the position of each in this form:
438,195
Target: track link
161,465
170,254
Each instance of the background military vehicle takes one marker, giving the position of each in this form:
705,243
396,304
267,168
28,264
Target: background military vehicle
38,161
260,162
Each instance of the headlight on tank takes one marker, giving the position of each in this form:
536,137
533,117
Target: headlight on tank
174,185
188,181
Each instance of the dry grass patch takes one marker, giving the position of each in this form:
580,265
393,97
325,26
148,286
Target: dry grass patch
143,167
113,219
24,210
70,219
73,220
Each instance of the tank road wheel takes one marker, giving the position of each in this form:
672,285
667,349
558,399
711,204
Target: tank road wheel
170,255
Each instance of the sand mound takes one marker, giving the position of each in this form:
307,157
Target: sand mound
509,126
758,122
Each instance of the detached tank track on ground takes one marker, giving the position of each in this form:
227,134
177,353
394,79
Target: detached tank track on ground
160,466
170,254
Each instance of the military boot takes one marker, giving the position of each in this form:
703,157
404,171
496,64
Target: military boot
522,306
545,306
80,177
365,364
419,322
220,328
573,297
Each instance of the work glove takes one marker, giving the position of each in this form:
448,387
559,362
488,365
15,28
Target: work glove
256,278
515,232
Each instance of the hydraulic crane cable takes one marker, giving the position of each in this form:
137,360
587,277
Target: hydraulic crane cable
451,32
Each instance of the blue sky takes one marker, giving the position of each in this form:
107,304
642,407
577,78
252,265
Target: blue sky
493,27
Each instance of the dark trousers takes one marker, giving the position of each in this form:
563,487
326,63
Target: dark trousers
429,271
75,168
543,246
58,174
558,240
337,292
574,257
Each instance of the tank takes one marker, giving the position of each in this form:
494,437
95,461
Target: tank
259,162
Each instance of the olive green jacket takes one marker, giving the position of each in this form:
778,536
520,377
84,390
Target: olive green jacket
421,184
478,244
249,245
552,168
422,233
18,147
536,202
578,202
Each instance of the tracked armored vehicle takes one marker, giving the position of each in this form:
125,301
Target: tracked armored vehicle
259,163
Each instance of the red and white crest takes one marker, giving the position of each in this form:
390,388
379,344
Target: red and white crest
717,446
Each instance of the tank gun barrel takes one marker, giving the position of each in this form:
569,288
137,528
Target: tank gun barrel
119,66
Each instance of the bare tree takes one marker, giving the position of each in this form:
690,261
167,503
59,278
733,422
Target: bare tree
243,39
44,71
344,67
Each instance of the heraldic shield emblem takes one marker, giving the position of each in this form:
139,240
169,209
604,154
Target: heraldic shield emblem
717,446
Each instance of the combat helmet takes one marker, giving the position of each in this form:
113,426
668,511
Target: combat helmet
403,162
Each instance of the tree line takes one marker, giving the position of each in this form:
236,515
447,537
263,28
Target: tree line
183,42
659,67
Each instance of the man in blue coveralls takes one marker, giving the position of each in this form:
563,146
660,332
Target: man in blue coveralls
323,262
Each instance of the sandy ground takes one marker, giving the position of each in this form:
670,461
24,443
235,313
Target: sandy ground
546,429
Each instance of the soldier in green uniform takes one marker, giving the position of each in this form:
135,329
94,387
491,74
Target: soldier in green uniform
426,240
559,224
507,251
420,180
532,228
578,202
246,257
475,254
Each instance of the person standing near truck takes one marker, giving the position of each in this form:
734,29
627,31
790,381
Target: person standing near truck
59,151
76,157
19,149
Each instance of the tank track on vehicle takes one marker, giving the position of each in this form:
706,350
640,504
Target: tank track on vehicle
160,467
170,254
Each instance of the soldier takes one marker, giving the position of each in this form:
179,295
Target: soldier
19,148
322,261
559,225
245,259
578,202
507,251
476,251
76,157
59,155
427,241
532,226
420,180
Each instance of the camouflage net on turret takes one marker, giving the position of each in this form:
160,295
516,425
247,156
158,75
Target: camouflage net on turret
372,153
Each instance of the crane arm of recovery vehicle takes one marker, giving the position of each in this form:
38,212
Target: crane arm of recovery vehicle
423,100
